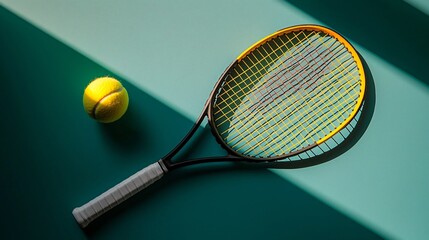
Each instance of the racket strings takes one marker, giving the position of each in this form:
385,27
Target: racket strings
332,143
269,86
244,69
267,110
292,86
248,86
319,124
287,116
296,131
263,108
269,89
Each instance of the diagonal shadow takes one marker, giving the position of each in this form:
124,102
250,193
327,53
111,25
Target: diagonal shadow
393,30
55,158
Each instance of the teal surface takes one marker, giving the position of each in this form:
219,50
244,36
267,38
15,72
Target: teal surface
377,187
55,158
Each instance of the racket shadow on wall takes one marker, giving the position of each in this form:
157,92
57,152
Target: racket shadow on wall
296,98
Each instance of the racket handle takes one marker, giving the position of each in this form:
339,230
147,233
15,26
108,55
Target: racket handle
117,194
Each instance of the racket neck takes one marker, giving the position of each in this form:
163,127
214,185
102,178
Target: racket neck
167,158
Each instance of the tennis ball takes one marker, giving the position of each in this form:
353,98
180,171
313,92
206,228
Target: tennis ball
105,99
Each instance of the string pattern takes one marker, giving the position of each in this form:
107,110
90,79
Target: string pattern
286,94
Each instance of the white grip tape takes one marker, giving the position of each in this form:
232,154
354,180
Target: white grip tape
117,194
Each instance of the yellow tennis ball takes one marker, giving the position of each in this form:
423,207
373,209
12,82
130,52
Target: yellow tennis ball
105,99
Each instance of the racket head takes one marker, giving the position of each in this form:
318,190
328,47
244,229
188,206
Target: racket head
287,93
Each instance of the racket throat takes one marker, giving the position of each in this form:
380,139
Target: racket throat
163,166
166,161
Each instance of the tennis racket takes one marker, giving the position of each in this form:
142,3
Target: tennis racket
288,93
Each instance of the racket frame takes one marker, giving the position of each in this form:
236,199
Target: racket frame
208,107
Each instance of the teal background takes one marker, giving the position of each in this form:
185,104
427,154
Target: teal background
56,158
376,189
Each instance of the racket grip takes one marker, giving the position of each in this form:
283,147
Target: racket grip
117,194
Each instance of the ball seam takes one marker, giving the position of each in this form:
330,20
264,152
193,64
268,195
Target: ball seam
94,109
